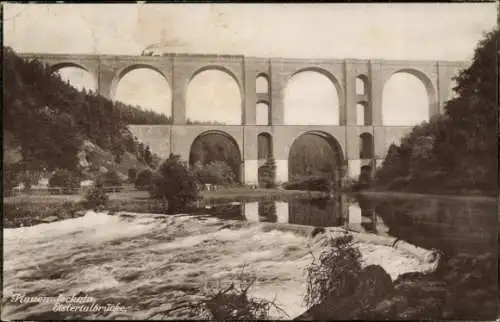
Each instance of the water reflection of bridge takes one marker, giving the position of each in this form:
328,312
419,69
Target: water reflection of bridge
309,212
449,224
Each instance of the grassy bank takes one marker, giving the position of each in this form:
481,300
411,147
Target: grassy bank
32,209
231,194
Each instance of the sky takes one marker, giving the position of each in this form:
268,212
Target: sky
437,31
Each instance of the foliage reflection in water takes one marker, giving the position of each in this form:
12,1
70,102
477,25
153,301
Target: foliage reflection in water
449,224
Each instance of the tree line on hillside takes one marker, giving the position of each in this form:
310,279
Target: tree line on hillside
49,119
455,152
137,115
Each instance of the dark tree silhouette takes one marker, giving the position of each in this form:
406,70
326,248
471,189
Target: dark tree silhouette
175,184
455,152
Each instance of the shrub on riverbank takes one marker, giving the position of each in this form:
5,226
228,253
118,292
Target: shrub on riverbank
216,172
96,198
334,273
267,174
110,179
175,184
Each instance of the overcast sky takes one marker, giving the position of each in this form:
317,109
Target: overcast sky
386,31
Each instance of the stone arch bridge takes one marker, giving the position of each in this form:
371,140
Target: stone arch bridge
179,69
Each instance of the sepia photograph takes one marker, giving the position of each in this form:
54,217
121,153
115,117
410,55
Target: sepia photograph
222,161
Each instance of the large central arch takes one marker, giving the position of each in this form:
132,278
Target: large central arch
312,96
214,95
215,145
315,153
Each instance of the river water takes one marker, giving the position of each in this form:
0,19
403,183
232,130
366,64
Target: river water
450,224
148,262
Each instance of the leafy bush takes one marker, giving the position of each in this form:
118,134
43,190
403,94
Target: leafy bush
110,179
96,197
334,274
132,175
216,172
144,180
175,184
267,174
66,180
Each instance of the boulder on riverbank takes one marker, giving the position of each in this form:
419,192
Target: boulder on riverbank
372,284
462,288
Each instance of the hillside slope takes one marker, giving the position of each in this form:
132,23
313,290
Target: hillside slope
49,124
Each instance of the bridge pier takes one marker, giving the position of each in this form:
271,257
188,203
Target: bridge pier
281,171
251,172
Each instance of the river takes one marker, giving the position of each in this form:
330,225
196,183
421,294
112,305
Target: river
450,224
147,262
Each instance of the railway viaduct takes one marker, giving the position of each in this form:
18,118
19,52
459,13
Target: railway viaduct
356,144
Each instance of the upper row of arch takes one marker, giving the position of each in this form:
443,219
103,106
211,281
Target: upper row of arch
262,79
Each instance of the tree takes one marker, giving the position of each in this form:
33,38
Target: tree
217,172
175,184
458,150
473,117
96,197
267,173
148,157
110,179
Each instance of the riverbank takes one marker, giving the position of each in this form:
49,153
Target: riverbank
231,194
413,195
27,210
149,263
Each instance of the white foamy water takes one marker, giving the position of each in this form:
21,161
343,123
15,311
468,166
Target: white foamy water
148,261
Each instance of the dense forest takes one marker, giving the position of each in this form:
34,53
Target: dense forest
48,120
455,152
138,116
